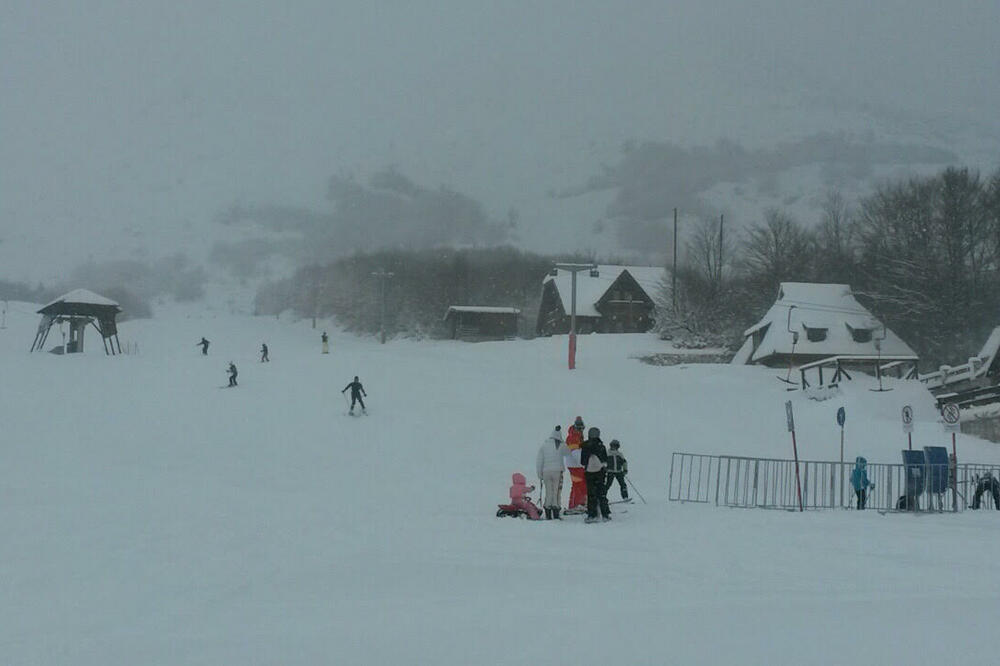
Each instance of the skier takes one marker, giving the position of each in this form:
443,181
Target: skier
204,346
263,353
326,342
232,374
987,483
357,390
594,458
617,469
549,466
519,490
859,481
578,489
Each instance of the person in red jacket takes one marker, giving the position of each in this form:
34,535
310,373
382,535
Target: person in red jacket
574,440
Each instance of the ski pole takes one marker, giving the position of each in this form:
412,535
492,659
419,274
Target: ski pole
635,489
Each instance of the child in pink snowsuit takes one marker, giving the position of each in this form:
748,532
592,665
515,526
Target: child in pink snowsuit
519,490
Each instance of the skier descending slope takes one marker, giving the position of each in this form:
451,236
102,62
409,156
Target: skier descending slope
357,390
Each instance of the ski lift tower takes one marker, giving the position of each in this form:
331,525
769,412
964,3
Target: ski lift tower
574,269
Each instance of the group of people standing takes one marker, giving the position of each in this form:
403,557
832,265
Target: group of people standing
592,469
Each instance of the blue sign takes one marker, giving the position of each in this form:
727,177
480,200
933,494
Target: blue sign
841,417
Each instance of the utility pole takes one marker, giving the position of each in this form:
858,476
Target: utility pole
574,269
382,276
673,270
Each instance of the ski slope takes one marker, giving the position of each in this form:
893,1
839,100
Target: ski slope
149,517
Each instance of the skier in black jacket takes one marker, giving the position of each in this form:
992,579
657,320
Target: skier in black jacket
357,390
232,374
617,469
204,345
594,459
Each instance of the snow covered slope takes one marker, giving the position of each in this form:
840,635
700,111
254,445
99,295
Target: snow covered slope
150,518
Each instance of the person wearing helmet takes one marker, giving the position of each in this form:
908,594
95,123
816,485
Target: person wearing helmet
859,481
617,469
594,458
578,489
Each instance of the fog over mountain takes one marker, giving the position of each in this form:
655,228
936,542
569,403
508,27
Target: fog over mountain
129,131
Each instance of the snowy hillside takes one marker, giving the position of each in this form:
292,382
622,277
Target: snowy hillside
151,518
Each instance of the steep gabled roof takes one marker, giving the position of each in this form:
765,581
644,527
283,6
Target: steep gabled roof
589,290
802,305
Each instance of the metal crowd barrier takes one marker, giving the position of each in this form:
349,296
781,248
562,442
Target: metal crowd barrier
739,481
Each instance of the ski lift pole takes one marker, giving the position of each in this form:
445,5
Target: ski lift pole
795,451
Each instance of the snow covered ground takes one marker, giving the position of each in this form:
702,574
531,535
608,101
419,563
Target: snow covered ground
150,518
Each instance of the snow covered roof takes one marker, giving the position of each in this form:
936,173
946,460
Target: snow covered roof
589,290
488,309
82,296
484,308
832,312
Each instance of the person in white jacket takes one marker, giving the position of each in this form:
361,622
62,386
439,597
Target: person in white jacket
549,466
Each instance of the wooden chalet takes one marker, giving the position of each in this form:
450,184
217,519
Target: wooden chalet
609,299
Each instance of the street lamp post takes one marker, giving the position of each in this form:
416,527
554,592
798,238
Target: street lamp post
382,276
574,269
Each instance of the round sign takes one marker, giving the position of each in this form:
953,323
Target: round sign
951,413
907,415
841,417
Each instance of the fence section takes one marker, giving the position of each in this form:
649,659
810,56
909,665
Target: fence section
770,483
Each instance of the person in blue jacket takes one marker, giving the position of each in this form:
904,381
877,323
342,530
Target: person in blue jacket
859,481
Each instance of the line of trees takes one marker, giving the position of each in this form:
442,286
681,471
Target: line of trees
424,284
923,254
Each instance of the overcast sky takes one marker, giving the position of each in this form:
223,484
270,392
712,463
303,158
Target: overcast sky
140,121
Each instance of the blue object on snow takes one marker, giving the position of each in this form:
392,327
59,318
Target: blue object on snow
914,466
937,468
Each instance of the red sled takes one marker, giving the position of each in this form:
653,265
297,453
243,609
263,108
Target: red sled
511,511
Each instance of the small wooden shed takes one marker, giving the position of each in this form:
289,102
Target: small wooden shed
482,322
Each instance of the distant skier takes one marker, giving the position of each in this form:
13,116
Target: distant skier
519,490
326,343
594,458
549,466
859,481
357,390
578,489
232,374
263,353
617,469
204,346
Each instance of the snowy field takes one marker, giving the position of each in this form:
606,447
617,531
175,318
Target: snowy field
150,518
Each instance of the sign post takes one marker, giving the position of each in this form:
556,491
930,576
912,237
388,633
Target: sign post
952,415
908,425
795,449
841,417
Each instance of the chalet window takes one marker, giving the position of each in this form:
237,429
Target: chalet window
860,334
815,334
